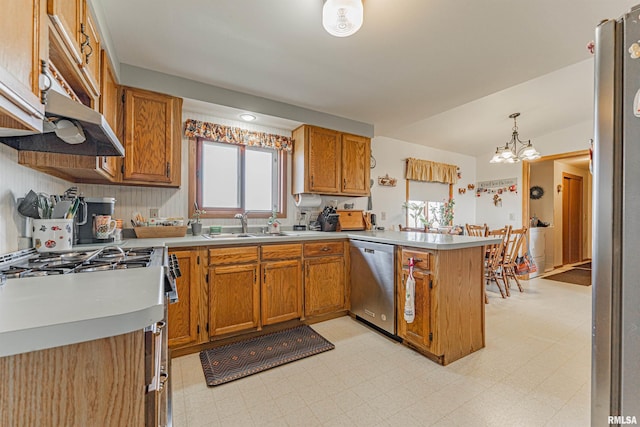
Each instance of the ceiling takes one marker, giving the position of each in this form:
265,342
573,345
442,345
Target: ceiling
440,73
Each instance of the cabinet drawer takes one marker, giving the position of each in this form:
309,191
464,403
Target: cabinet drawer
270,252
323,248
220,256
422,259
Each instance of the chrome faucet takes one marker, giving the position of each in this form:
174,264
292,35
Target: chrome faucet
243,221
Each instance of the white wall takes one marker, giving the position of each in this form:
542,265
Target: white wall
573,138
15,182
542,175
390,156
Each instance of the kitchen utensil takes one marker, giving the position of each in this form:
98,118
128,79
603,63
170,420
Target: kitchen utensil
44,206
70,193
62,208
29,205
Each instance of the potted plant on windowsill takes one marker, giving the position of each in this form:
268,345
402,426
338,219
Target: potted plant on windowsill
196,226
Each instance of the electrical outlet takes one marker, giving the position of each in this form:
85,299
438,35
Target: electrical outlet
512,216
153,213
383,216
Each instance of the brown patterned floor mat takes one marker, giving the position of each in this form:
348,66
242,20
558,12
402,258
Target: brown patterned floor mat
233,361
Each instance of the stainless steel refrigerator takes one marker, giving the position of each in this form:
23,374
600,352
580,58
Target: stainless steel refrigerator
615,379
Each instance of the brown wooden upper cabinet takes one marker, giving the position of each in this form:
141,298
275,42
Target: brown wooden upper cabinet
76,37
110,109
330,162
152,142
23,46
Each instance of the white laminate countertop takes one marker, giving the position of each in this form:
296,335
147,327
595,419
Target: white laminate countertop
45,312
415,239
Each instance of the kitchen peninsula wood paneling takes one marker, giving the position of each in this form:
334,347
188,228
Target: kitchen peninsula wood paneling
98,382
24,45
330,162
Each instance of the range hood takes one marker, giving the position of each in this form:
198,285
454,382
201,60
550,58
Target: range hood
68,120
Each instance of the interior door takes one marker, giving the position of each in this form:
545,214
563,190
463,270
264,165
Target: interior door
572,215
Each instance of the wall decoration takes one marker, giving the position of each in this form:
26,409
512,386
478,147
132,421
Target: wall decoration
471,186
387,181
536,192
462,190
497,201
498,186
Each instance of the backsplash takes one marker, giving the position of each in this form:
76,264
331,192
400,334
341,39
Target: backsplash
15,182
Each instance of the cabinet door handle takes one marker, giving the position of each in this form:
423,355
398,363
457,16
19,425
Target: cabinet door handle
344,183
159,325
44,70
85,44
168,169
311,180
164,377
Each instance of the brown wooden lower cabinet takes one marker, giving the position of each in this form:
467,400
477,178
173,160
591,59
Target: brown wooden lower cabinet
419,331
449,302
281,294
234,298
183,319
325,280
248,287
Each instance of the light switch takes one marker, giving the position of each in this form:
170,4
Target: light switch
383,216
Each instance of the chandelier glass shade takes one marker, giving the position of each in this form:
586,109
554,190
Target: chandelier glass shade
342,18
515,150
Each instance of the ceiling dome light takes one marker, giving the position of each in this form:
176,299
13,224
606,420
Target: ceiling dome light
247,117
342,18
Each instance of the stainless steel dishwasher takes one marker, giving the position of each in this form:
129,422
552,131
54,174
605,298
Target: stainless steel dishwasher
372,284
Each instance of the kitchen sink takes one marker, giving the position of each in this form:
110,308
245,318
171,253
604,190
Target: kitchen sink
241,235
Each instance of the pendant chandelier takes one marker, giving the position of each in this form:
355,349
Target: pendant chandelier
515,150
342,18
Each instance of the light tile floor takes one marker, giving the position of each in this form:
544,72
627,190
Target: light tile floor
534,371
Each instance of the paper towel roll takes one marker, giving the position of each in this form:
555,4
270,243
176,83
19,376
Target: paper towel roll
307,200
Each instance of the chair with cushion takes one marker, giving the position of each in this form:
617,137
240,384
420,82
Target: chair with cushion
476,230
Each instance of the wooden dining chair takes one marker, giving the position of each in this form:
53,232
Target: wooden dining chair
492,262
476,230
494,258
514,246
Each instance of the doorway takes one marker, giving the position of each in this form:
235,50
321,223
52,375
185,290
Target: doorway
572,215
548,205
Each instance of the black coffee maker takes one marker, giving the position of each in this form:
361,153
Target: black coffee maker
88,209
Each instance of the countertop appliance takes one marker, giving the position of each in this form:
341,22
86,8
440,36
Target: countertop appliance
83,221
372,285
615,378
